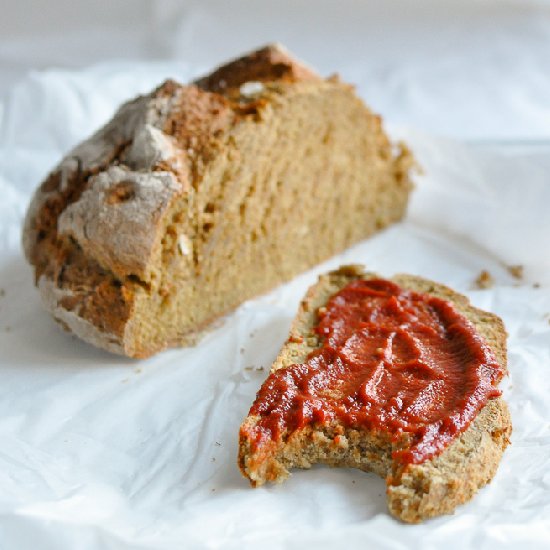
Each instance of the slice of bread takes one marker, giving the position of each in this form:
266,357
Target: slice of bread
415,492
195,198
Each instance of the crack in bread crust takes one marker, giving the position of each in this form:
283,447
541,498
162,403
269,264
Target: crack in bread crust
415,492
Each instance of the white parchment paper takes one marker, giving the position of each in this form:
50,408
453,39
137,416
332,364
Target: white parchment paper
101,452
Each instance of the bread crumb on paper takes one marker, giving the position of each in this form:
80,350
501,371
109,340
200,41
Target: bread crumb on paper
484,280
516,271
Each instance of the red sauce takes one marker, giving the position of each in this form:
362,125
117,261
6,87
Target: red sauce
391,360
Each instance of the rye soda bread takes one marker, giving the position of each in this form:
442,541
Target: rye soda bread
194,198
415,492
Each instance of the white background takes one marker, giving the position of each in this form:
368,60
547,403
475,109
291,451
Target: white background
100,452
468,69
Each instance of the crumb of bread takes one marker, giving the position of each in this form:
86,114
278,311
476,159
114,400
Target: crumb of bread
516,271
484,280
2,292
251,89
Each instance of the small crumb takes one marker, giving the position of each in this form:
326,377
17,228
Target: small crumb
184,245
249,368
516,271
259,368
218,444
312,342
241,351
252,335
484,280
536,285
353,481
138,370
7,328
251,89
213,490
213,459
2,292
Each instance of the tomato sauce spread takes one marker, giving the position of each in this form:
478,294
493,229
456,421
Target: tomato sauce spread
391,360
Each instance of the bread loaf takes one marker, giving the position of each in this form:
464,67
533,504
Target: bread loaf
195,198
415,491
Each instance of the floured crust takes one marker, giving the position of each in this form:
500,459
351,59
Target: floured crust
416,491
53,296
114,217
101,228
272,63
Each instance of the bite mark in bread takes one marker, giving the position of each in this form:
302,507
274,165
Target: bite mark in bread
415,492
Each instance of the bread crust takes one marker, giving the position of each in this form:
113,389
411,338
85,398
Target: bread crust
415,492
98,229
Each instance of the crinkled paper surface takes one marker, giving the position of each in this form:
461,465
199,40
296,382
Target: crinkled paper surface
99,451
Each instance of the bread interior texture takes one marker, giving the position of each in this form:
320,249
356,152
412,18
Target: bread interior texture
312,176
